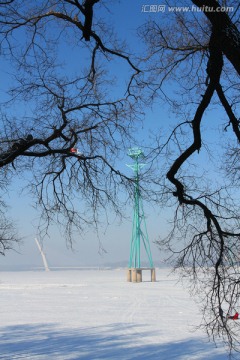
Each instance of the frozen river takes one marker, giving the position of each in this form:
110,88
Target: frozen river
98,315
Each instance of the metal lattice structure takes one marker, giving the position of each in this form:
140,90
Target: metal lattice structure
139,229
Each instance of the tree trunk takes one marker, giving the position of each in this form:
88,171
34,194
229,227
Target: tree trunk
229,36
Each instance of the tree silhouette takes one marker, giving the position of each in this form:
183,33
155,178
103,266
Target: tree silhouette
200,53
68,98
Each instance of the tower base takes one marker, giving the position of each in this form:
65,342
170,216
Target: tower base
135,274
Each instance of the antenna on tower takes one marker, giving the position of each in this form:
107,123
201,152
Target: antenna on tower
139,229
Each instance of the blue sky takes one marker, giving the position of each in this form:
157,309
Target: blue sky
115,239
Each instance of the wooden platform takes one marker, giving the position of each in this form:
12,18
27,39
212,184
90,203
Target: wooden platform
135,274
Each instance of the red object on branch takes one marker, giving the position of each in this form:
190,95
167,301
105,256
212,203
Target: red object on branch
234,317
73,150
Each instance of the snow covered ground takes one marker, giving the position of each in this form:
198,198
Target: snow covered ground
98,315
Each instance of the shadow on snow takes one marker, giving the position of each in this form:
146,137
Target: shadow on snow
117,341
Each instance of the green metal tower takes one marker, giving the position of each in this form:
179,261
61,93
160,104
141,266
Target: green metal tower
139,229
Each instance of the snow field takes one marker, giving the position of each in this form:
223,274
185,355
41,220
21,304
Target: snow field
98,315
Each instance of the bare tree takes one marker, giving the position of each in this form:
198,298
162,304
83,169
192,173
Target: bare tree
66,119
8,233
200,54
65,97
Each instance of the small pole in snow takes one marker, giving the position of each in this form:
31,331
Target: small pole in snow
43,255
